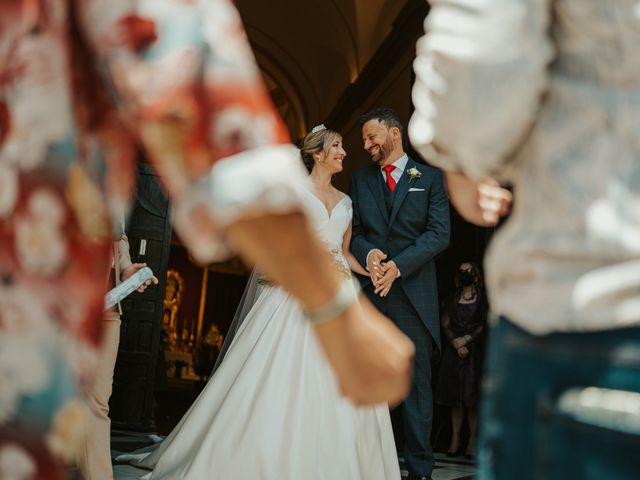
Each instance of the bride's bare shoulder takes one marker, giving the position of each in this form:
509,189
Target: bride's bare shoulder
341,195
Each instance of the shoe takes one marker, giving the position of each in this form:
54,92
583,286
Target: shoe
415,476
469,456
457,452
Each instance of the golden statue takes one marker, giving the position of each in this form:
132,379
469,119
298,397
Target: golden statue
207,350
172,298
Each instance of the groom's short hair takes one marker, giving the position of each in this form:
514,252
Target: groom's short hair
386,116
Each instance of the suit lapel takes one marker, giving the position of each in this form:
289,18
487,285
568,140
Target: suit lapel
375,185
401,191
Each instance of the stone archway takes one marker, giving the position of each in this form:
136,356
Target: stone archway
310,51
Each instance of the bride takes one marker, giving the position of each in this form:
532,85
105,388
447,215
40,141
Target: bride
272,409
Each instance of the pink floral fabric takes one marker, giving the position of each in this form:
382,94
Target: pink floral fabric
84,84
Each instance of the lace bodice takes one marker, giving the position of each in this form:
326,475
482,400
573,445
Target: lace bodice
330,226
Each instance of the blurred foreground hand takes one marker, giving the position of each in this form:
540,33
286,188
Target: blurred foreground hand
479,202
370,356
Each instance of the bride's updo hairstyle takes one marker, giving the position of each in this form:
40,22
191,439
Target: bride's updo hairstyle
319,140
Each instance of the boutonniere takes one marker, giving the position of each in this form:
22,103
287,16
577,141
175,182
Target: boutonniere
414,173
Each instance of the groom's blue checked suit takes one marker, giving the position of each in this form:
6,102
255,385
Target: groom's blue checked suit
411,225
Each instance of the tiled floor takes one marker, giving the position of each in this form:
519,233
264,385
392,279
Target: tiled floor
122,442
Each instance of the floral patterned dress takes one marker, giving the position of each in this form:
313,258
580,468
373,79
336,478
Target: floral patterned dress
84,85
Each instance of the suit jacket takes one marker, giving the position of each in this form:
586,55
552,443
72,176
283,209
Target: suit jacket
412,234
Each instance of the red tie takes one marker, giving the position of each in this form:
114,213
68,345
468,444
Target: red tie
391,183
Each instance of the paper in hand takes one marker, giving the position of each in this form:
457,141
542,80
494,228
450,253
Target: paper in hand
123,289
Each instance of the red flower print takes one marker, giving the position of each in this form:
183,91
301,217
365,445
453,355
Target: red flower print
5,123
139,32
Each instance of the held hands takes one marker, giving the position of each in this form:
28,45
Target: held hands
387,274
382,274
460,345
370,356
133,268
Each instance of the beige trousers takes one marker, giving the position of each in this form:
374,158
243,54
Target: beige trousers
94,459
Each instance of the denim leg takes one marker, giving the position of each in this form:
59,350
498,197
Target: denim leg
527,432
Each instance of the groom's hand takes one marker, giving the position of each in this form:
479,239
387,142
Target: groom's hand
374,264
370,356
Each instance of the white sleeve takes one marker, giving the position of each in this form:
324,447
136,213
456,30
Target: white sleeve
251,184
481,69
257,182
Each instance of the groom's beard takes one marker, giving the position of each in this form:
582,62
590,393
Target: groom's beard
384,151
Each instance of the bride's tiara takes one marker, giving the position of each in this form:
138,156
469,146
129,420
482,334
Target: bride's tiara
318,128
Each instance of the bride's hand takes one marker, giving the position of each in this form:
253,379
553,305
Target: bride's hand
370,356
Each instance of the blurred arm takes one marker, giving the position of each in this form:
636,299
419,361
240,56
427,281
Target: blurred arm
186,84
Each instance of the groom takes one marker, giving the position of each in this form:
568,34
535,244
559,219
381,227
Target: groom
400,223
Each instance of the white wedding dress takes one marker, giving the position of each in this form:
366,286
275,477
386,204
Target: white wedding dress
272,410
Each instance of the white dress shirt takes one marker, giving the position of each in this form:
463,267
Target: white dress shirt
400,165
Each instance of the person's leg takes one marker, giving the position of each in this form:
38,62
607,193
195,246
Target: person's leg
456,426
507,410
548,410
417,408
472,418
589,418
94,459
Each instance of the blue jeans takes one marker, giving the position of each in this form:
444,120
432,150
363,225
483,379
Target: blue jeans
537,419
